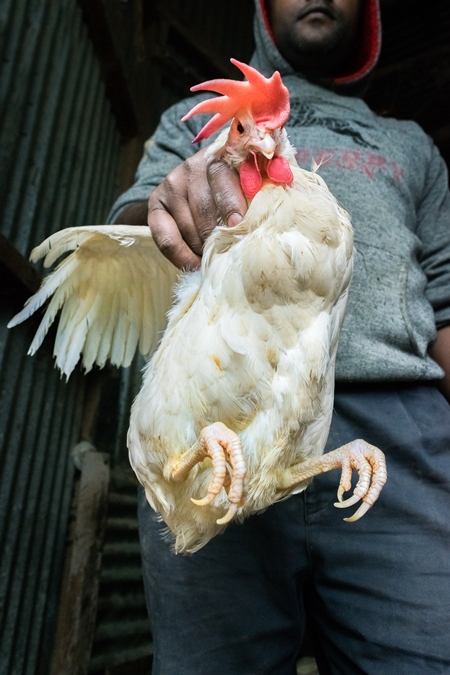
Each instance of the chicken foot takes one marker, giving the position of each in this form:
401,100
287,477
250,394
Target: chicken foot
368,460
222,445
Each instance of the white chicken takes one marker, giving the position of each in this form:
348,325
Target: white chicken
236,403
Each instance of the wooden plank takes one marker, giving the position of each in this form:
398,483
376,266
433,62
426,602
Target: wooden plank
79,593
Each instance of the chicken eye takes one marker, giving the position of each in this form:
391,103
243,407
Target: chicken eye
240,128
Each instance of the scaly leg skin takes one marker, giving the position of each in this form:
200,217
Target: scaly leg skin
222,445
368,460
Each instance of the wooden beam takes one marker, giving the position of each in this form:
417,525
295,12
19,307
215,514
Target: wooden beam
79,593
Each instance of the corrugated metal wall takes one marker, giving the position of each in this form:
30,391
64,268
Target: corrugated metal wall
59,141
59,154
39,421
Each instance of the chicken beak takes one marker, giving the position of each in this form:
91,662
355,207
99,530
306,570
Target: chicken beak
265,145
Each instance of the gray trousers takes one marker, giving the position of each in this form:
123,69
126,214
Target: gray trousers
375,594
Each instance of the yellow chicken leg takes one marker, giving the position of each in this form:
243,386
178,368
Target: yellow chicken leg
222,445
368,460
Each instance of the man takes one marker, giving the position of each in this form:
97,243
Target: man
376,593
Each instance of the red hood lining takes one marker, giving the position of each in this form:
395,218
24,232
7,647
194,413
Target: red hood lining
369,44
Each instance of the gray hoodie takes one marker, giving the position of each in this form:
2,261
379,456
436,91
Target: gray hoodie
392,180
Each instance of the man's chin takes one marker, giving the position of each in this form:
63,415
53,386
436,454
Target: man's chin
317,35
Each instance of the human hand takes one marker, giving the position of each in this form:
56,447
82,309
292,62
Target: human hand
184,209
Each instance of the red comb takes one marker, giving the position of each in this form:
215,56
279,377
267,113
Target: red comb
266,98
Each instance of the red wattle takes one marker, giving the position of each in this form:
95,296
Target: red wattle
250,176
279,171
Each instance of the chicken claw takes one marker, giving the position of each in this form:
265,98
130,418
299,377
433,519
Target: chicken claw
368,461
223,446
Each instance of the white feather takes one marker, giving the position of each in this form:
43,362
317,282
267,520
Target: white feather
114,291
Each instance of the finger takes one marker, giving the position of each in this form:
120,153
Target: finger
168,239
184,217
200,199
227,192
204,213
172,195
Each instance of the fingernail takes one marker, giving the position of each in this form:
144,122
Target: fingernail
234,219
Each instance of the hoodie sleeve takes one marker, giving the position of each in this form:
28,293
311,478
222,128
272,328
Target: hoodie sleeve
434,232
170,145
